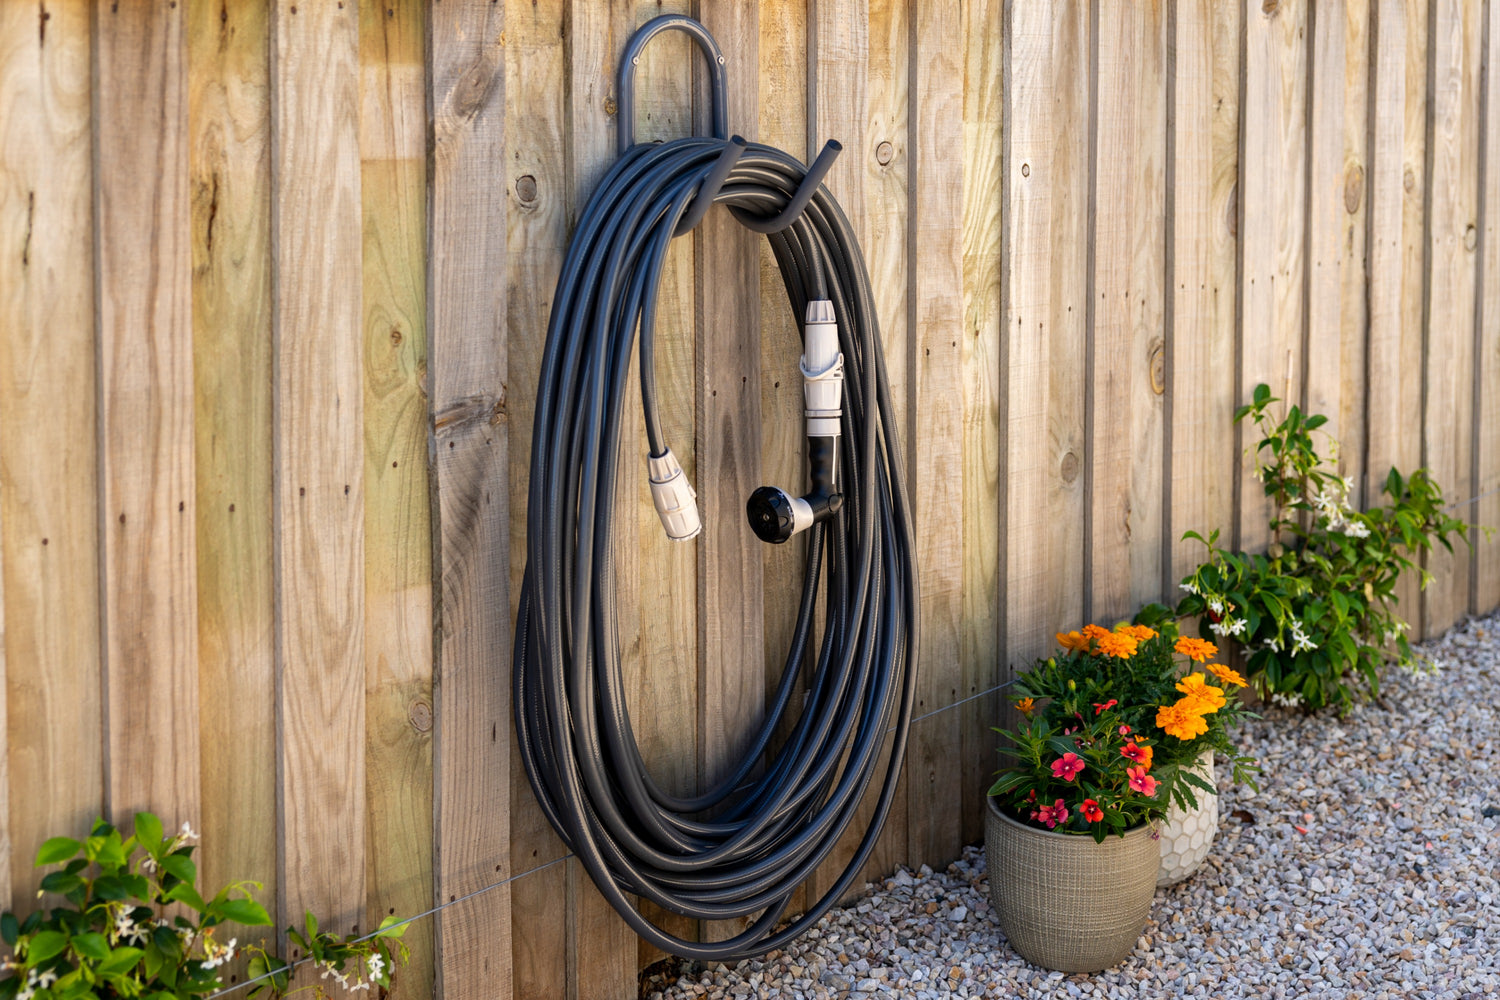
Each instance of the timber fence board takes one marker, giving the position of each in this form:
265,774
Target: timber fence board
274,285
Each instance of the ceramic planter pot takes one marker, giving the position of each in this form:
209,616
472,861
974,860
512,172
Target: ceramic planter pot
1065,902
1188,835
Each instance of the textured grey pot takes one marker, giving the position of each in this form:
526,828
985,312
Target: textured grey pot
1187,835
1065,902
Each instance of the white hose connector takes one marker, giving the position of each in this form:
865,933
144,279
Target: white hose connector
672,494
822,370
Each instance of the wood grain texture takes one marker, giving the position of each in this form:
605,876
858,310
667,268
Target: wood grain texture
319,448
934,433
49,491
1273,212
657,578
1204,157
601,952
783,116
731,658
5,842
533,146
983,666
398,648
1394,342
229,162
1322,389
148,547
1044,302
1486,593
1127,380
1354,257
1453,200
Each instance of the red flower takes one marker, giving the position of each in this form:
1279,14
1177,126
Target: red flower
1067,767
1091,811
1140,781
1104,707
1053,814
1124,730
1136,752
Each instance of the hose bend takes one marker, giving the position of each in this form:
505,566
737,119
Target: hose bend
739,849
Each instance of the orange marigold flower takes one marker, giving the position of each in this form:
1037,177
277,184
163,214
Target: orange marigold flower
1225,674
1210,697
1117,644
1094,632
1073,640
1181,720
1140,633
1196,649
1025,705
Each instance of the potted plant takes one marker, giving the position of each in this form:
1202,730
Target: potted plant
1115,733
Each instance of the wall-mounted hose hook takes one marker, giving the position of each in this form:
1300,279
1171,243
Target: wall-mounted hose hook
632,58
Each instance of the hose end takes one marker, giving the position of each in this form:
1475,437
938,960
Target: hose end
672,495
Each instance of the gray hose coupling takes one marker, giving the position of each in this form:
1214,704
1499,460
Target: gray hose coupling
672,494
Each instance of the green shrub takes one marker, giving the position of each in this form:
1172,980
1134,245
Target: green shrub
1316,612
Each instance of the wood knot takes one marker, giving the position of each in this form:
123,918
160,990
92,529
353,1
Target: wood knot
1354,188
1069,467
1158,360
1471,237
884,153
1270,8
420,715
1025,170
610,107
1409,179
526,189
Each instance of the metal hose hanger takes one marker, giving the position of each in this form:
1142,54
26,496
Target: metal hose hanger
741,848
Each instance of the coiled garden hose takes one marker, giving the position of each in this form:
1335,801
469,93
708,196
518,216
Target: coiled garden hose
741,848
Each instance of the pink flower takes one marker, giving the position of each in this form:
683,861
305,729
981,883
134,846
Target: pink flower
1052,815
1105,706
1140,781
1124,730
1067,767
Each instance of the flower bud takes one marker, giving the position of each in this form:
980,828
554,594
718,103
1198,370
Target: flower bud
1072,685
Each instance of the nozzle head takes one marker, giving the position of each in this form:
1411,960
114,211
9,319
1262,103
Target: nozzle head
771,515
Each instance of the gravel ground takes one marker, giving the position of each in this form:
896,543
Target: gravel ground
1367,866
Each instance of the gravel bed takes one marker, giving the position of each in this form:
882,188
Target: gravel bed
1367,866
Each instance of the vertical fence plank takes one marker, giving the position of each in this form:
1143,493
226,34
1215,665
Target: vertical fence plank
657,578
1203,158
319,491
731,661
1273,211
601,953
1453,158
981,330
1322,388
1044,263
398,648
933,435
1127,378
1394,343
536,208
783,115
840,109
149,561
1407,451
48,479
229,112
1354,265
5,841
1486,593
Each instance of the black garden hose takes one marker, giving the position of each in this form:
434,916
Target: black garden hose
739,849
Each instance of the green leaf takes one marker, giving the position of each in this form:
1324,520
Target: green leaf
242,911
57,849
148,831
61,883
392,927
121,961
91,945
10,929
180,866
45,945
183,892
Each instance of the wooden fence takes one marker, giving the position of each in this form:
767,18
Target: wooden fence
274,286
